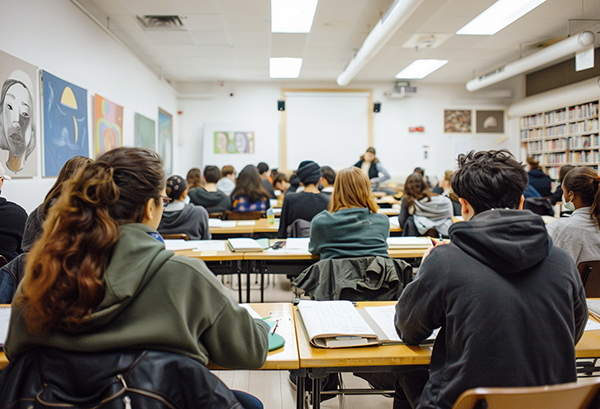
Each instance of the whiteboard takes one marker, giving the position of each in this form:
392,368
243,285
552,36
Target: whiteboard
331,128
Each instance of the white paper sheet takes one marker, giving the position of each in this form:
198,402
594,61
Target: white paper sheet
251,310
384,317
298,244
246,222
592,325
408,242
4,320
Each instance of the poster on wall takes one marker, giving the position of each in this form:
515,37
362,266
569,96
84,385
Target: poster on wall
18,116
145,132
233,142
65,122
489,121
108,125
457,121
165,140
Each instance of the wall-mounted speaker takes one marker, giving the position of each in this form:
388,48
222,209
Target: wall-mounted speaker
281,105
377,107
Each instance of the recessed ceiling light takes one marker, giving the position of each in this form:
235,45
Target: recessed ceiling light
420,69
498,15
284,67
292,16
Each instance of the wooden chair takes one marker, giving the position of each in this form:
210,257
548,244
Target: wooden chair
3,261
575,395
229,215
215,215
175,236
590,277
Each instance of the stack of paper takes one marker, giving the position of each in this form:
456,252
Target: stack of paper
408,242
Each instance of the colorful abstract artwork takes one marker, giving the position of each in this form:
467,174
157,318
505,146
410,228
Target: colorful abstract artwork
457,121
233,142
18,116
165,140
65,122
108,125
145,132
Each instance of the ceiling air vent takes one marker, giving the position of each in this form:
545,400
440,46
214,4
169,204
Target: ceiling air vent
161,22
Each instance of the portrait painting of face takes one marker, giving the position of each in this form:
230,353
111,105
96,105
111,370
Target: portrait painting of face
18,116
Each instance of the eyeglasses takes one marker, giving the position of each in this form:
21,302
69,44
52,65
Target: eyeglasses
165,201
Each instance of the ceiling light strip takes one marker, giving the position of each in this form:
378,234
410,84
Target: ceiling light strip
499,15
419,69
292,16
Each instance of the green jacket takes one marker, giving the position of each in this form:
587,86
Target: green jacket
354,232
155,300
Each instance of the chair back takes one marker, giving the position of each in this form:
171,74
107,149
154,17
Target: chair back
215,215
575,395
230,215
175,236
3,261
590,277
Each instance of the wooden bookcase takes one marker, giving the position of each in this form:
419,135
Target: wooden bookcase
563,136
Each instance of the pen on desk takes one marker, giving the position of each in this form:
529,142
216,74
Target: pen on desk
275,326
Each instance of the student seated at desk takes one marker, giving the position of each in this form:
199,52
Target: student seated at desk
181,218
444,189
328,179
249,194
101,279
213,200
352,227
579,234
511,306
227,182
194,178
306,204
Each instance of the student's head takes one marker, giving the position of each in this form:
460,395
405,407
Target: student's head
263,169
369,155
194,178
563,172
328,176
580,185
249,184
176,187
532,164
489,180
309,172
66,173
420,171
63,279
352,188
415,188
281,182
445,183
211,174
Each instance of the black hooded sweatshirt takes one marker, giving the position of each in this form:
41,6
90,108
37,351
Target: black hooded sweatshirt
511,308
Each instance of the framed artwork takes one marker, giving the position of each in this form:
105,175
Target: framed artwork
233,142
18,116
108,125
489,121
65,122
457,121
145,132
165,140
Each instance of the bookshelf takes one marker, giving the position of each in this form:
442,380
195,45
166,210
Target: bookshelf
563,136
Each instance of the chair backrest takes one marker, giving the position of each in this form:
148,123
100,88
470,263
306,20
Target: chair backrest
590,277
230,215
215,215
539,205
575,395
3,260
175,236
300,228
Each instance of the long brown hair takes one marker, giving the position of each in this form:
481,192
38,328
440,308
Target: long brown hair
415,188
66,173
249,184
584,181
352,189
63,281
194,178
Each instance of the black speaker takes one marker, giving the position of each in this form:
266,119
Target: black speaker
281,105
377,107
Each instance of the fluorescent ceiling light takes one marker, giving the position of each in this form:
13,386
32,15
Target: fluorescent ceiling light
420,69
498,15
284,67
292,16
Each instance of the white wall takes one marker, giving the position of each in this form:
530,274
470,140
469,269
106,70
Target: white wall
58,37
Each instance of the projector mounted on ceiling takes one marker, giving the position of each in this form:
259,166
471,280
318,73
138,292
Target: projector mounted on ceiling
401,88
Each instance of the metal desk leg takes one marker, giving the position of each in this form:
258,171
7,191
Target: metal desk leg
239,276
249,268
316,397
300,375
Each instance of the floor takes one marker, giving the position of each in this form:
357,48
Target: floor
272,387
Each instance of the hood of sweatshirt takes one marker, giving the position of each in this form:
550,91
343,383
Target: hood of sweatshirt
436,208
508,241
176,218
202,196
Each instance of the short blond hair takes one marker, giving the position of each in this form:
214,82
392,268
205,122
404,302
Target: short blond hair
352,188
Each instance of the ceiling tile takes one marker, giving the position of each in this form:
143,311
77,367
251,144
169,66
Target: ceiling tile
250,38
203,21
211,37
246,7
149,7
122,22
216,51
250,52
103,6
288,45
170,37
137,37
237,22
197,6
184,51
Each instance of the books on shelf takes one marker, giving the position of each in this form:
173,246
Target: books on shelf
243,244
338,324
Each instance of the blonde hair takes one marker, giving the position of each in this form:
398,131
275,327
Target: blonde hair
352,188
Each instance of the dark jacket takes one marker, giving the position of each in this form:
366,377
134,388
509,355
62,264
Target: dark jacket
50,378
12,226
301,205
541,182
33,228
10,277
510,305
213,202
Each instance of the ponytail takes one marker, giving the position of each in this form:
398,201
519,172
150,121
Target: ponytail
595,208
584,182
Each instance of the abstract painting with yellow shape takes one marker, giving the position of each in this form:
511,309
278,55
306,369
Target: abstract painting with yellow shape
108,125
65,122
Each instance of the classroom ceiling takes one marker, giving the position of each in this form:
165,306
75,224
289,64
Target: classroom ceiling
230,40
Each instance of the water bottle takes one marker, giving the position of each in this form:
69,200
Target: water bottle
270,216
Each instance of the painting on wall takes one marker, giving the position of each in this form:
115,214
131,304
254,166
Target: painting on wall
108,125
233,142
489,121
65,122
457,121
165,140
145,132
18,116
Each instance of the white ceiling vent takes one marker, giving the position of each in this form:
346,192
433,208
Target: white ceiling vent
160,22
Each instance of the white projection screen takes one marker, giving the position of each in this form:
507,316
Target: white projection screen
331,128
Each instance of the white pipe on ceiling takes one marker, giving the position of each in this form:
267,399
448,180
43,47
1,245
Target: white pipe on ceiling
387,26
561,49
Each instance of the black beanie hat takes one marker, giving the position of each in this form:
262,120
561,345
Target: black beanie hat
309,172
